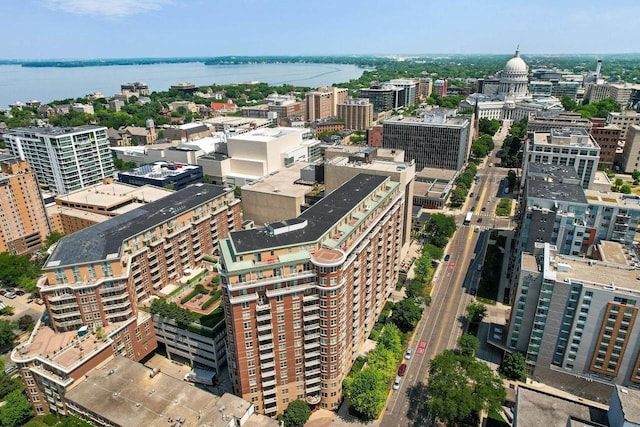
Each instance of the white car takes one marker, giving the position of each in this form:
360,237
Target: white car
396,383
408,354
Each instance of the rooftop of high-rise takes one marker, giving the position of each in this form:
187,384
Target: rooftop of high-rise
103,241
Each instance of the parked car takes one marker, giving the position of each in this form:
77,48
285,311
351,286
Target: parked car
10,369
402,369
473,291
408,354
447,257
19,292
396,383
10,295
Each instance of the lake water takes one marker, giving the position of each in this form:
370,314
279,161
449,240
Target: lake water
19,83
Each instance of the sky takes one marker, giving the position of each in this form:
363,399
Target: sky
88,29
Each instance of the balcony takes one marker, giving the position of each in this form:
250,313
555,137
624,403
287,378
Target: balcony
310,337
268,373
265,327
269,383
311,326
311,363
313,389
311,381
311,345
310,298
61,297
315,371
268,365
264,347
309,307
66,314
270,400
265,337
264,318
311,317
312,354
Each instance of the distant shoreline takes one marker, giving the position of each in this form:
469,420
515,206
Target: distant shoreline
226,60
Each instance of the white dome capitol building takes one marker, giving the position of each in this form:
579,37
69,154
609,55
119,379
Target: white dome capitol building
511,100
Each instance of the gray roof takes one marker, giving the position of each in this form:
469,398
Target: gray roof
555,182
55,131
536,408
630,403
320,217
103,241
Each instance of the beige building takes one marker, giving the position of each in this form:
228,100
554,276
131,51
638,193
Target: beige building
357,113
323,103
341,167
425,87
276,197
631,152
23,220
623,120
83,208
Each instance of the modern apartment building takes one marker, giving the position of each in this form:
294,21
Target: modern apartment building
434,141
383,97
23,219
302,295
95,279
163,174
425,86
578,316
564,146
556,209
64,159
357,113
409,86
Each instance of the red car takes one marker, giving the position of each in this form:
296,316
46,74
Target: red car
402,369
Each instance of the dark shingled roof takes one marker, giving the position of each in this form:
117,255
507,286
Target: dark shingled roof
105,239
320,217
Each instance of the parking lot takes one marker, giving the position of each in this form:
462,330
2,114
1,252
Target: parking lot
21,307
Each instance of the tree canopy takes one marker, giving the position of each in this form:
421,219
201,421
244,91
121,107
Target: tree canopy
460,387
488,126
468,345
514,367
6,331
17,409
439,229
476,312
296,414
406,314
17,270
367,391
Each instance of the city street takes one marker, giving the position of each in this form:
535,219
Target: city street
444,320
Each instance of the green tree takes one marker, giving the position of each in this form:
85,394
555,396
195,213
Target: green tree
439,229
618,183
636,176
568,103
406,314
296,414
170,186
488,126
460,387
52,238
16,410
514,367
476,312
367,391
479,150
6,332
384,360
237,191
468,345
8,384
625,188
391,340
511,179
17,270
458,196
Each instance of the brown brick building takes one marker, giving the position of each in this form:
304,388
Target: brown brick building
302,296
95,279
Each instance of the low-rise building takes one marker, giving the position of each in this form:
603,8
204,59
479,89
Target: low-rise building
175,176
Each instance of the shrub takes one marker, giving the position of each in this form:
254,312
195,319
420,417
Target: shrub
198,289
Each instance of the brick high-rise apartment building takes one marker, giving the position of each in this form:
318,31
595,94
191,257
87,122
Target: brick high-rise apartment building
302,295
23,219
95,279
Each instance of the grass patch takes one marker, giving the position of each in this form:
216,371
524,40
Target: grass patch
494,419
196,277
175,292
213,318
504,207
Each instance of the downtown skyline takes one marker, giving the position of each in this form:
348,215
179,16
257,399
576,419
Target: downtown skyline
66,29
